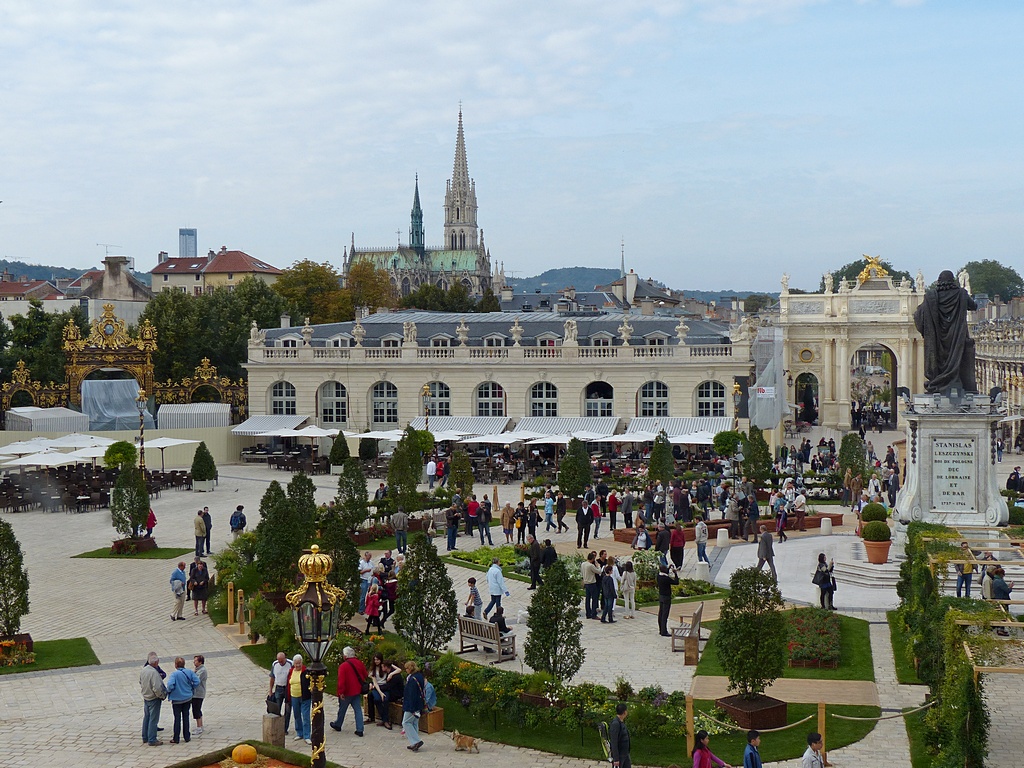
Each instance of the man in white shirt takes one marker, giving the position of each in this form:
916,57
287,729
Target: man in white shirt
431,472
365,576
279,672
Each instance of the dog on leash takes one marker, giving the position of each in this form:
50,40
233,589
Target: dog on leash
465,743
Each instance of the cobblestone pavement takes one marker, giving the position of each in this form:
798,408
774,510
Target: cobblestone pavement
92,716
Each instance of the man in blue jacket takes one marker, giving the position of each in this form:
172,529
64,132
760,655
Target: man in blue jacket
180,684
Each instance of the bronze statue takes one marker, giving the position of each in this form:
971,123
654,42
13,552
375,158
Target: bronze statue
948,348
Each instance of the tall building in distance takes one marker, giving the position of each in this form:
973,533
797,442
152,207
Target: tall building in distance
188,244
462,258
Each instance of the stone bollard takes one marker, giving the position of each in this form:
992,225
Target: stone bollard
273,729
241,611
826,526
723,537
703,571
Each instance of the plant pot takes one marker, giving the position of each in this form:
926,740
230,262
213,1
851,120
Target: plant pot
277,599
203,486
760,713
878,551
123,546
23,639
336,468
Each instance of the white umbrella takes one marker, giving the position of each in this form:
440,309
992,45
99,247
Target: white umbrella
78,440
45,459
89,452
634,437
550,440
592,437
502,438
161,443
448,435
390,434
23,447
314,431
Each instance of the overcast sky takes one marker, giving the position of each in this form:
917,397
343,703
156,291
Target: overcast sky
725,141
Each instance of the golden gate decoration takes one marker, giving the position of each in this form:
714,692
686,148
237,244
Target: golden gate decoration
235,393
49,395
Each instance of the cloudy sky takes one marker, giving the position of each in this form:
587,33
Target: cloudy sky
725,141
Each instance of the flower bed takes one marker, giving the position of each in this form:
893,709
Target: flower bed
16,651
507,555
815,637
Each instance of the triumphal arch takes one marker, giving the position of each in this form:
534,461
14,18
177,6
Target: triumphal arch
826,336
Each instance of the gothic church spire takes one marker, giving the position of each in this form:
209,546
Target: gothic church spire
416,234
460,224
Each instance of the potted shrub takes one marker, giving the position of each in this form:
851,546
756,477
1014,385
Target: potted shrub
877,541
339,453
204,471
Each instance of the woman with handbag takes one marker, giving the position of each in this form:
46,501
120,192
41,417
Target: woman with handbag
825,582
200,586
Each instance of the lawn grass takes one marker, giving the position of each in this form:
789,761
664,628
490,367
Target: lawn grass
920,757
57,654
507,571
785,745
902,652
160,553
855,661
263,656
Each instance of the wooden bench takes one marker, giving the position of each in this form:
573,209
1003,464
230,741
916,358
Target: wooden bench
474,633
686,637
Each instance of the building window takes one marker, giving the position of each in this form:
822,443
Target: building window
166,277
384,403
494,341
600,341
389,343
282,399
547,342
440,402
440,342
230,276
599,399
544,399
656,341
333,403
339,342
653,399
289,342
197,290
490,399
711,398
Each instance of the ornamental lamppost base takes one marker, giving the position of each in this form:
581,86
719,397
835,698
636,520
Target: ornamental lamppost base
317,674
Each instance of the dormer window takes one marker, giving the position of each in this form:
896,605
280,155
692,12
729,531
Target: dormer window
439,342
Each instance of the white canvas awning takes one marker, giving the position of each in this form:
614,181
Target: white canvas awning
193,415
679,425
464,425
258,425
558,425
32,419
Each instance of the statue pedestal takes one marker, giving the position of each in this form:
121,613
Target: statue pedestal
951,464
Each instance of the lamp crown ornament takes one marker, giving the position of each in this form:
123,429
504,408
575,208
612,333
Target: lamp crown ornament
315,566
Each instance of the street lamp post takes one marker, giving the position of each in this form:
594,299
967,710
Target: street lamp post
425,394
140,403
316,608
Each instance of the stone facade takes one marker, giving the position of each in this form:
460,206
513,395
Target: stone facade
371,374
999,350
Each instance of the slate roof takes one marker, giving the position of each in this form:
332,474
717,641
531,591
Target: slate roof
534,324
540,302
180,266
238,261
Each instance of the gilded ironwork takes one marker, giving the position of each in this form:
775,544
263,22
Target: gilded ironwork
49,395
234,393
872,269
109,345
314,567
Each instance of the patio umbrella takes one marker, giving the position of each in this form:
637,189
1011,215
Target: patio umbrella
163,443
390,434
44,459
24,447
633,437
550,440
592,437
89,452
502,438
448,435
78,440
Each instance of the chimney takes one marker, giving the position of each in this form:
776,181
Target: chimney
647,306
506,293
630,293
161,257
286,319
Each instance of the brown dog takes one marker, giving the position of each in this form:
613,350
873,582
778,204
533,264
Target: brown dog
465,743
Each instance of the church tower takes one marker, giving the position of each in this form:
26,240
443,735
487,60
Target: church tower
460,228
416,237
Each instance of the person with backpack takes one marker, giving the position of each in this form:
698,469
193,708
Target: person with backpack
353,682
237,522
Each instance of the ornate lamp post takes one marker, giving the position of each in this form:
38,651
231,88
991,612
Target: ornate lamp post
140,403
425,394
316,609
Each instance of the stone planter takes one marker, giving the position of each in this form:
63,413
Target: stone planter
123,546
362,538
23,639
626,535
336,469
203,486
761,713
877,551
277,599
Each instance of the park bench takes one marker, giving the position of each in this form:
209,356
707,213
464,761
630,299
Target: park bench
686,636
474,633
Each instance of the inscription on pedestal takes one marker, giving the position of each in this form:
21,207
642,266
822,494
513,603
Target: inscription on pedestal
954,480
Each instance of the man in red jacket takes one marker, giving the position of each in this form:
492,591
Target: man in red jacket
351,674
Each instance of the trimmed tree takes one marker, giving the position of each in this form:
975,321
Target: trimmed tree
728,443
279,542
339,451
661,467
129,502
757,458
368,448
751,636
203,466
335,529
13,581
555,627
460,473
852,455
121,454
575,472
404,471
351,502
302,495
427,611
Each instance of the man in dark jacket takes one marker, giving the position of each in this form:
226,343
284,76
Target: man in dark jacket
584,519
663,542
208,519
618,737
548,555
533,550
666,580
